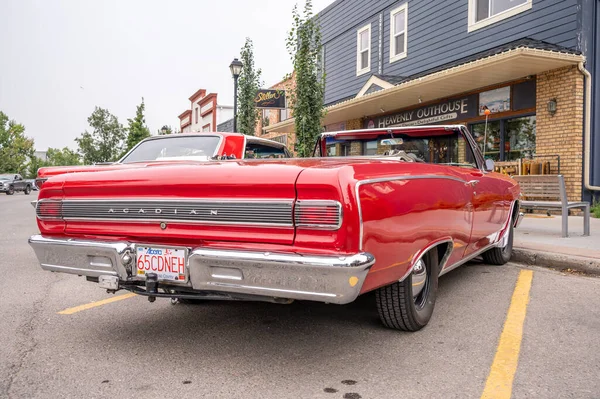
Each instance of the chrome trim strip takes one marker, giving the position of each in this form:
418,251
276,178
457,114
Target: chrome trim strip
520,217
187,199
206,211
420,254
390,128
198,222
503,232
162,137
467,258
386,179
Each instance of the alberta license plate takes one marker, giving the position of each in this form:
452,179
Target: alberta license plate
167,263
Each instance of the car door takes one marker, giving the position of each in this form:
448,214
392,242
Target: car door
491,207
18,184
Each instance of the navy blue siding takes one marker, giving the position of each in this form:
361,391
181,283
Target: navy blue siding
437,34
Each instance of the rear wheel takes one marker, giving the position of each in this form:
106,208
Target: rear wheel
408,305
501,255
27,189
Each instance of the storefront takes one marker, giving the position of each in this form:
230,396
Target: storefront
510,129
535,99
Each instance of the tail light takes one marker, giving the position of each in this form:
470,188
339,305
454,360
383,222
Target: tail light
318,214
39,182
49,209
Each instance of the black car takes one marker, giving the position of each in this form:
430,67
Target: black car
11,183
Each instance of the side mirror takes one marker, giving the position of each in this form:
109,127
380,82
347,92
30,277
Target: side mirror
489,165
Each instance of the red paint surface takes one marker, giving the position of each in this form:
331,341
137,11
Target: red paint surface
400,217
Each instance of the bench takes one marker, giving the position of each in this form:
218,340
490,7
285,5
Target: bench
548,192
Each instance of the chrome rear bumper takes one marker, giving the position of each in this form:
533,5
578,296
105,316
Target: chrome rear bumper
333,279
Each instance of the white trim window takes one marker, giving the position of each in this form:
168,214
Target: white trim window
486,12
363,50
398,32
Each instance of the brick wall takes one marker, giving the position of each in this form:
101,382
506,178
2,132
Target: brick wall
289,85
562,133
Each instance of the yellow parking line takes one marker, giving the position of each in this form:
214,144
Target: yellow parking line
502,373
95,304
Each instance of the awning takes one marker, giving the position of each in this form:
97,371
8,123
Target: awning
507,66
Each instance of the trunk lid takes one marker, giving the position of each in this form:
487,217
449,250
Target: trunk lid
184,203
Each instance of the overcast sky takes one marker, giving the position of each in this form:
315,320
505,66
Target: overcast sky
59,59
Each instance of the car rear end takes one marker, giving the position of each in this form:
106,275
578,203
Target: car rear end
274,231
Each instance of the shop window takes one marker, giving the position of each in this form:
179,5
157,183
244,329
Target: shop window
363,50
331,150
398,32
508,139
284,113
491,148
486,12
370,148
345,149
520,138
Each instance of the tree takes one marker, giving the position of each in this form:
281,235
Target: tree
106,142
248,85
306,100
137,127
34,164
64,157
16,149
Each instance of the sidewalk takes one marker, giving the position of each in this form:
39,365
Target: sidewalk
538,242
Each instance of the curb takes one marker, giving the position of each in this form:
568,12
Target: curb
556,261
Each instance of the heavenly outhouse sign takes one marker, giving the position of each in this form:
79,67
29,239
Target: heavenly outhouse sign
445,111
270,99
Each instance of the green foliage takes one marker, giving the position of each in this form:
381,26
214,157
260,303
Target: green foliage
165,130
106,142
137,127
34,164
304,46
64,157
54,157
16,149
595,209
248,85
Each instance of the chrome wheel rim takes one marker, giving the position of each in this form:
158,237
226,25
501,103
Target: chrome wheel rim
420,283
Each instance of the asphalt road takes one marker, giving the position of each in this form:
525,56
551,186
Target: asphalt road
132,348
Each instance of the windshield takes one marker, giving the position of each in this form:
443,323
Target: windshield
175,148
7,177
263,150
448,148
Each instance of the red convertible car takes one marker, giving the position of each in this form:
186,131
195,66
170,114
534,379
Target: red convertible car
376,210
183,147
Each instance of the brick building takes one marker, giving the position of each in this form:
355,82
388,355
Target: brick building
204,114
270,117
416,62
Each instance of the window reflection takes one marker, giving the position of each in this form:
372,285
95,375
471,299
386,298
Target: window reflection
520,138
492,145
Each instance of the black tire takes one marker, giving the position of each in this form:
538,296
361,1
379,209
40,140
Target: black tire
500,255
11,190
27,189
397,306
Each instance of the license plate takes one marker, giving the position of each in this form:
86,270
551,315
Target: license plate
168,263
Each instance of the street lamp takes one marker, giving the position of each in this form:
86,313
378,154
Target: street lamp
236,68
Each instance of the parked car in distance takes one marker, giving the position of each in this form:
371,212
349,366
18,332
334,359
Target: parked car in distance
11,183
181,148
324,229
